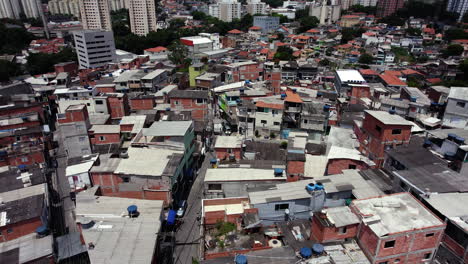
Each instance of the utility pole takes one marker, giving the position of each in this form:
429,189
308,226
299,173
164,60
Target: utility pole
43,18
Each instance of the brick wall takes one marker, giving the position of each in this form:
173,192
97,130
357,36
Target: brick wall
336,166
109,89
71,68
222,153
142,104
23,110
32,158
75,116
324,234
108,139
359,92
19,229
118,107
198,110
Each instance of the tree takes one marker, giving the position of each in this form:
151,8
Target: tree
300,13
283,18
274,3
324,62
366,59
392,20
348,34
176,23
363,9
307,23
413,31
8,69
453,50
280,36
465,18
13,40
463,66
455,33
284,53
179,53
39,63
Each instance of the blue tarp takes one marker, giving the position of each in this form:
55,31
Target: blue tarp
171,217
306,252
241,259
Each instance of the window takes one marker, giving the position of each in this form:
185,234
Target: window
389,244
379,129
461,104
305,121
102,138
176,102
263,122
274,112
276,123
342,230
396,131
396,261
126,179
24,159
352,167
99,102
200,101
429,234
9,230
279,207
214,187
427,256
81,139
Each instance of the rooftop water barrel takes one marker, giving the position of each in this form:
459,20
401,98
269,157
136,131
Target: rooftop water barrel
449,155
41,230
241,259
132,210
326,108
391,111
305,252
427,143
319,186
278,171
413,99
310,187
22,167
283,96
317,249
171,217
168,109
459,140
294,90
451,136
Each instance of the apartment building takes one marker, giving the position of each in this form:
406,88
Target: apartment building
13,8
71,7
95,48
226,10
95,14
142,16
255,7
74,126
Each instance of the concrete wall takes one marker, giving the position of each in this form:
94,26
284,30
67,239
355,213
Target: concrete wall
270,121
456,116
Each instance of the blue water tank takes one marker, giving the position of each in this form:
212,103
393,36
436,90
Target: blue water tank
326,108
310,187
318,186
305,252
451,136
427,143
294,90
278,171
460,140
168,109
213,161
318,249
241,259
391,111
449,155
132,209
171,217
413,99
42,230
22,167
283,96
319,94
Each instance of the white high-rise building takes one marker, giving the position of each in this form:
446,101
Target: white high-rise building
118,4
364,2
458,6
70,7
256,7
94,48
95,14
327,14
142,16
226,10
13,8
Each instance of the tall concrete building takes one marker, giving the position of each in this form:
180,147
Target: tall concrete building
458,6
364,2
71,7
267,23
95,14
256,7
118,4
226,10
94,48
13,8
142,16
388,7
327,13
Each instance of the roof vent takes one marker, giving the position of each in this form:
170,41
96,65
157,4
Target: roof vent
124,155
392,111
90,245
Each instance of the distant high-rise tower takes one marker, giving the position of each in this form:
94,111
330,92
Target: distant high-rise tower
94,48
226,10
13,8
142,16
458,6
256,7
95,14
388,7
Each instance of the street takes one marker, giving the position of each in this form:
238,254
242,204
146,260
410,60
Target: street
188,235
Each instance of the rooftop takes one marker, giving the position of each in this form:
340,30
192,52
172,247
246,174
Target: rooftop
451,205
138,121
168,128
460,93
341,216
387,118
352,76
105,129
26,249
116,237
241,174
228,142
145,161
395,213
195,94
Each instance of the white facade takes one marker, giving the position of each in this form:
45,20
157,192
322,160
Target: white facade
289,13
95,14
458,6
327,14
118,4
214,37
256,7
94,48
13,8
142,16
365,2
71,7
226,10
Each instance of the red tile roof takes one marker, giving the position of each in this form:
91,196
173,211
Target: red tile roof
235,31
255,28
391,79
313,31
368,72
410,71
156,49
460,41
264,51
292,97
434,80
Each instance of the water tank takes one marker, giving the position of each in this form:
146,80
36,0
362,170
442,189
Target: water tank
132,210
326,108
451,136
213,161
171,217
318,186
87,224
427,143
42,230
283,96
305,252
240,259
449,155
459,140
319,94
278,172
391,111
317,249
241,90
310,187
294,90
413,99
